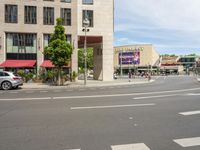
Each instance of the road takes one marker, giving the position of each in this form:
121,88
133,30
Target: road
163,115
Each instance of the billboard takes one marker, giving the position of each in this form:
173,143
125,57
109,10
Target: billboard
126,58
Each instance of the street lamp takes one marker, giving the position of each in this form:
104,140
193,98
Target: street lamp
86,23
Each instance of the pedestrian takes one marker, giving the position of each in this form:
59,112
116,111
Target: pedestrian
129,76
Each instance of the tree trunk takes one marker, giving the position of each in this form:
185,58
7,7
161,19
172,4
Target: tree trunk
59,76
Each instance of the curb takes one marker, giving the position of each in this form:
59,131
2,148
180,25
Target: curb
43,86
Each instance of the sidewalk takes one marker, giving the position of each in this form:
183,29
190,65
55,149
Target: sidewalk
90,83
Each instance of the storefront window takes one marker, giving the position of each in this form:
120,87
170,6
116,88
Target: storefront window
21,45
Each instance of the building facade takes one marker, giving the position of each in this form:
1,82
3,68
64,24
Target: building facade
26,25
136,58
170,65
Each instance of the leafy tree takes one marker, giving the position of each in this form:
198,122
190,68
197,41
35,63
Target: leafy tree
59,51
90,63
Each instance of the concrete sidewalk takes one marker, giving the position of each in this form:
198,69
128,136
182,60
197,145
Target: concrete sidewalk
90,83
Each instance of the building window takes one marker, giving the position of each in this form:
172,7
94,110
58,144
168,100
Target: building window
69,38
88,14
48,15
66,16
88,2
30,15
66,1
21,46
11,13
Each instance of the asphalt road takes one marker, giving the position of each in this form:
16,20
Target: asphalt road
163,115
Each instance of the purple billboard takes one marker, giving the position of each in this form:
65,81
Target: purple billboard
129,58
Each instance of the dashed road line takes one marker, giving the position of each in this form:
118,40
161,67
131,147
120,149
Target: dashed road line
188,142
158,96
137,146
24,99
193,94
189,113
112,106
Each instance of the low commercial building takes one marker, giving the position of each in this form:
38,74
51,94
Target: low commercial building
188,62
170,65
136,58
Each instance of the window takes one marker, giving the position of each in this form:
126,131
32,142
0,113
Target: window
48,16
21,46
69,38
89,15
11,13
66,1
66,16
88,2
46,39
30,15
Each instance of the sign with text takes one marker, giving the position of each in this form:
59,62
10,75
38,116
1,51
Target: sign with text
129,58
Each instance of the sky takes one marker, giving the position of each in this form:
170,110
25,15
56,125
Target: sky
172,26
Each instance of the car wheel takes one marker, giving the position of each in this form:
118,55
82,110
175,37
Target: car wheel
6,85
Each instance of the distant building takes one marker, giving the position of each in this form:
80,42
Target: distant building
188,62
136,58
170,65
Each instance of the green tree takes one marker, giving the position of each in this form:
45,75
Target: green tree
59,51
90,62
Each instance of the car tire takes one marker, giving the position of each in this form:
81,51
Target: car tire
6,85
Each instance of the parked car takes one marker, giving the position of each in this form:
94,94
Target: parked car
9,80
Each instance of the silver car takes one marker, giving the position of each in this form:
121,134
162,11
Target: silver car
9,80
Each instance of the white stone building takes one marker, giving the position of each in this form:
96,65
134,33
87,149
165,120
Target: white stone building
25,26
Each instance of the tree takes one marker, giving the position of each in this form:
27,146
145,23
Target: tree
59,51
90,63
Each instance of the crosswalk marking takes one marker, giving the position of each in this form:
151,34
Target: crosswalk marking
138,146
189,113
188,142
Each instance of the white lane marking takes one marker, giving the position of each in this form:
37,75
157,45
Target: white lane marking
188,142
24,99
165,78
138,146
112,106
120,95
193,94
43,91
72,149
158,96
189,113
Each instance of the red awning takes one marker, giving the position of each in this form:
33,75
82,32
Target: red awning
18,63
49,64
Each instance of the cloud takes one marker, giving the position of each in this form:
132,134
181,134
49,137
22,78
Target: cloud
161,22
